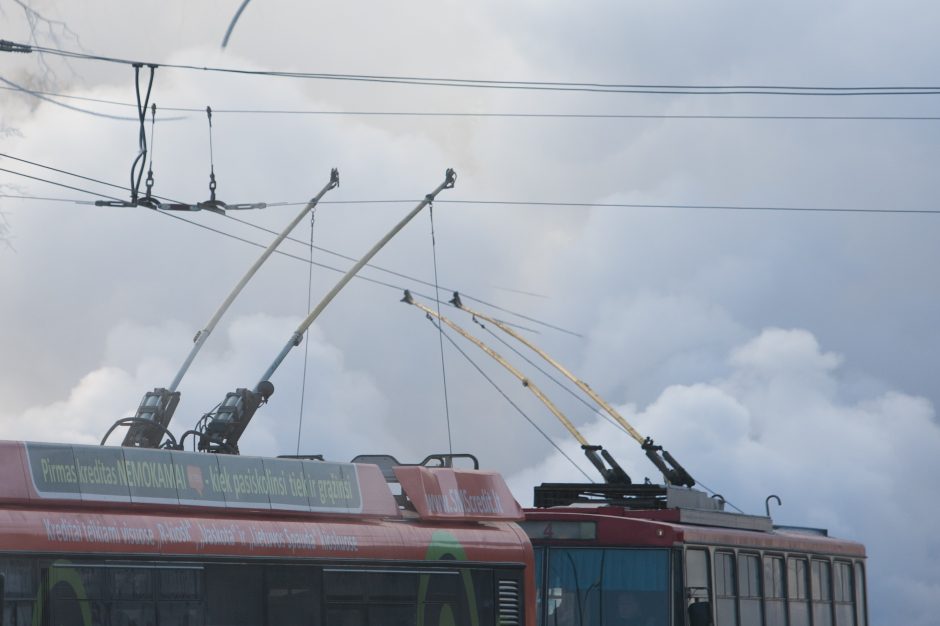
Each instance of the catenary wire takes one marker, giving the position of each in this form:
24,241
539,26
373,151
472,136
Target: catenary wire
48,98
57,184
381,269
479,114
244,240
318,264
245,222
676,89
744,208
716,207
624,205
61,171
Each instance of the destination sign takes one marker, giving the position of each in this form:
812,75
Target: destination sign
95,473
443,493
559,530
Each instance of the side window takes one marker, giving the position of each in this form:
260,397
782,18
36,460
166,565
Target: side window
574,586
822,593
462,598
843,593
77,595
607,587
233,595
749,589
397,598
861,606
132,597
179,597
20,586
93,595
293,595
775,591
726,609
798,590
634,586
697,586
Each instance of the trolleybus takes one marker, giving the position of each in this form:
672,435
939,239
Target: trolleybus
653,555
114,536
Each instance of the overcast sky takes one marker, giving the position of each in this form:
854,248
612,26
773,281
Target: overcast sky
779,352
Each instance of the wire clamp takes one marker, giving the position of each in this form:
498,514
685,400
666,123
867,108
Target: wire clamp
12,46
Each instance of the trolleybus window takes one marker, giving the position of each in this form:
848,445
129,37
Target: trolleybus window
822,593
774,588
293,596
77,595
609,587
749,589
844,593
132,593
179,597
406,598
725,589
233,594
697,587
19,579
860,603
797,588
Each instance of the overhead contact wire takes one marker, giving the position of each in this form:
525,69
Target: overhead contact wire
675,89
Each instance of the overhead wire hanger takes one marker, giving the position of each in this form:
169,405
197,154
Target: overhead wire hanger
141,158
140,162
213,204
149,200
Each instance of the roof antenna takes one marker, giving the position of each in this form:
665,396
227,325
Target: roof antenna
220,430
671,470
149,425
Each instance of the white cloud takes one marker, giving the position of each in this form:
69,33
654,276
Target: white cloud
343,408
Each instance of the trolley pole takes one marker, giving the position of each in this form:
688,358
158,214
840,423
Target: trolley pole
149,425
225,427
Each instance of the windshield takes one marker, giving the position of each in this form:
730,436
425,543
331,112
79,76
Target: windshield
603,587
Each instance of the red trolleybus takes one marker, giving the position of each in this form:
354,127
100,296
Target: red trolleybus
652,555
140,537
